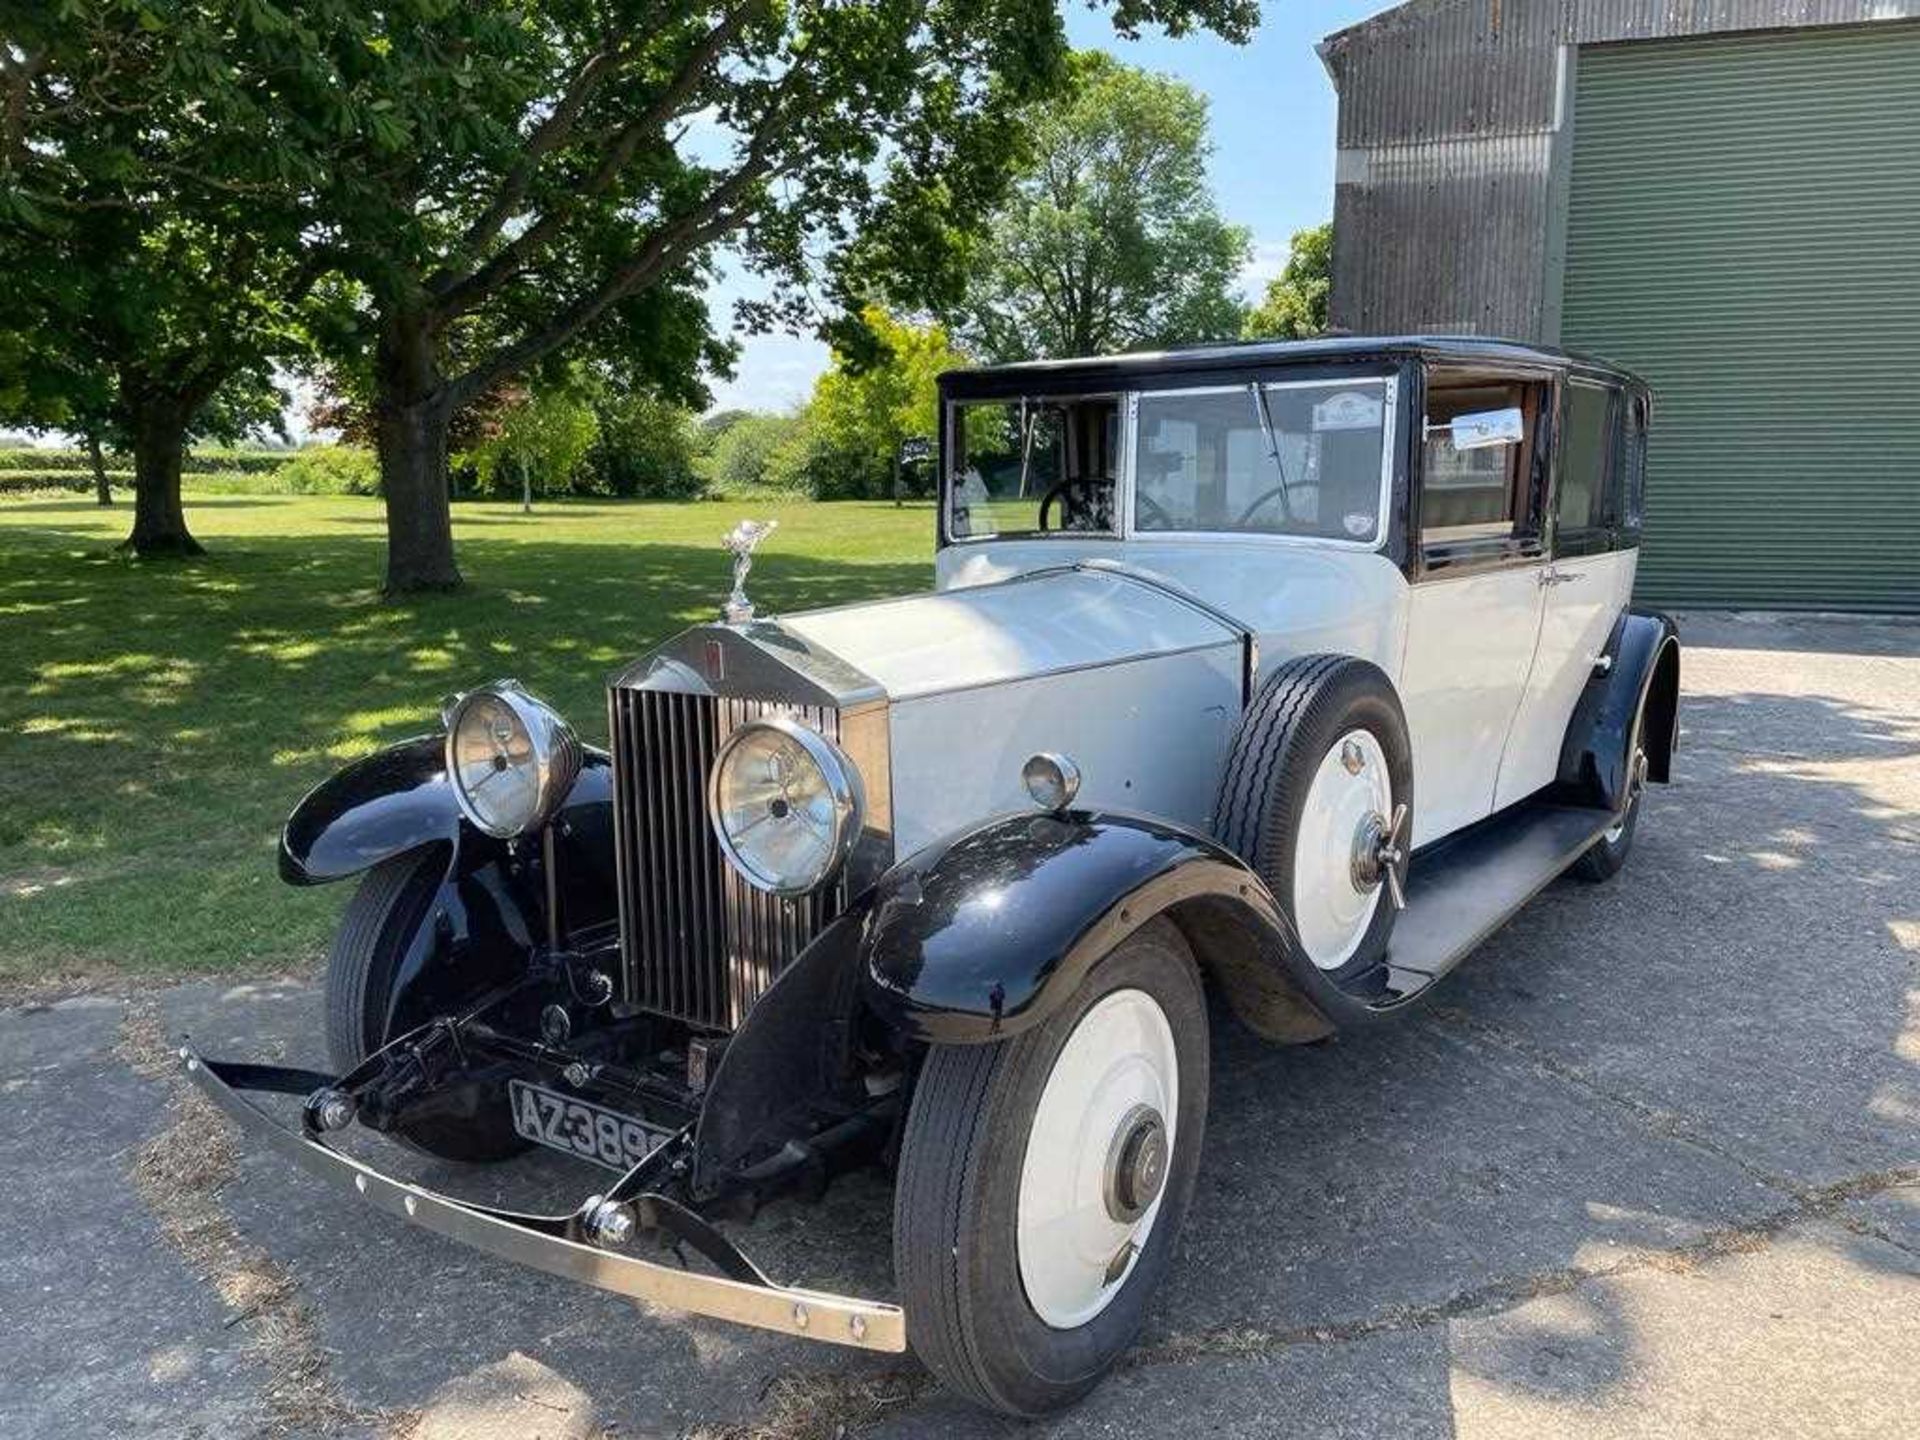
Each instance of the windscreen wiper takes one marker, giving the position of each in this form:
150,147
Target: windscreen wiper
1273,447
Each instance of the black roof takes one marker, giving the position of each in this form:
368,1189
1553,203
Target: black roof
1251,355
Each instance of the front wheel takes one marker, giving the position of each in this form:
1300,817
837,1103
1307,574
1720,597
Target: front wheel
1043,1182
383,922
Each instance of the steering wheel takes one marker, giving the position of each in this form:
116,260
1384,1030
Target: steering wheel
1083,495
1247,514
1161,520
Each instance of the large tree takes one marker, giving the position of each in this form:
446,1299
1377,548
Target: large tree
1295,305
148,283
863,420
520,174
1109,239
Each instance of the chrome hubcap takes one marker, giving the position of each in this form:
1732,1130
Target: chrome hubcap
1097,1158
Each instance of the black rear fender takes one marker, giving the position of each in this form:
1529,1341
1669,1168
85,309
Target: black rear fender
1644,670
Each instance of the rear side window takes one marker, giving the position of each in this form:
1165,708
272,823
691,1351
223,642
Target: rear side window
1633,464
1580,503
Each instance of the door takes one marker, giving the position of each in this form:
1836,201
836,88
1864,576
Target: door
1583,590
1475,603
1744,231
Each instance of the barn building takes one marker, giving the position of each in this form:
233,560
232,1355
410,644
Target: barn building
1723,195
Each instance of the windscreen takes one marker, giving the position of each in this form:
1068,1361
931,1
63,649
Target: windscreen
1284,458
1032,465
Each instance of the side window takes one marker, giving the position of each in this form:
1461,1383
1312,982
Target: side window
1479,459
1633,465
1580,503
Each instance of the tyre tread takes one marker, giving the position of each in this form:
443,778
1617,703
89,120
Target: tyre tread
356,951
937,1174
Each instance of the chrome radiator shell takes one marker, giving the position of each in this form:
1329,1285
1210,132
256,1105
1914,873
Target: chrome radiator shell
698,943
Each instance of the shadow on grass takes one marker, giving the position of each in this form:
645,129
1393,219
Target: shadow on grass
160,720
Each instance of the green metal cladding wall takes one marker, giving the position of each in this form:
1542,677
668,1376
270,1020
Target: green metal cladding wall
1744,230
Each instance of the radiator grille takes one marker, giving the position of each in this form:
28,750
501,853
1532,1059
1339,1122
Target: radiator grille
697,942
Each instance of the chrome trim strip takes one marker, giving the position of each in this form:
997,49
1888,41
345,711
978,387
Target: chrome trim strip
808,1314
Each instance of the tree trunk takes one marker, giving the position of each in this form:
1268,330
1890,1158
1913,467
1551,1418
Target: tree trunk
411,419
102,490
159,424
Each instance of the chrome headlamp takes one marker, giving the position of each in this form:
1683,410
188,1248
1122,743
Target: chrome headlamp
510,757
785,804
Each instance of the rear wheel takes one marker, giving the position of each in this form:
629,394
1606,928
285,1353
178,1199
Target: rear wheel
382,924
1043,1182
1603,859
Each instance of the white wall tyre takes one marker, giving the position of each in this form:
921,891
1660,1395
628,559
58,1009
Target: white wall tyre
1043,1182
1319,768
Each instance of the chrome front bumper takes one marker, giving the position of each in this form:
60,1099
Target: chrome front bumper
809,1314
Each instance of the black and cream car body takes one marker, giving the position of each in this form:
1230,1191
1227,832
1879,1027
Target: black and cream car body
1286,672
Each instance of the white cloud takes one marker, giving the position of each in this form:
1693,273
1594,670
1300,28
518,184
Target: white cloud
1265,263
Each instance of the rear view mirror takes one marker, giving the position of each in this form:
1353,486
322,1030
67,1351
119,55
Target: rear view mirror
1486,428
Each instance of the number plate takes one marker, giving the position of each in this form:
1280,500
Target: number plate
586,1132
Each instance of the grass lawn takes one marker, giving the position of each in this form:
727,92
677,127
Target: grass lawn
158,721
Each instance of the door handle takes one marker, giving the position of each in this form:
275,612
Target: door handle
1551,576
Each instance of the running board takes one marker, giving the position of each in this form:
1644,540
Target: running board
1462,889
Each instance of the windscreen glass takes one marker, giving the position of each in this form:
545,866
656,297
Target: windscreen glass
1033,465
1287,458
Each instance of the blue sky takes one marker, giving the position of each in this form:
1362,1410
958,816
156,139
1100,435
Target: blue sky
1272,113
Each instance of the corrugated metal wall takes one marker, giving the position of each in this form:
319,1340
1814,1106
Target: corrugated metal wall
1444,212
1441,192
1744,230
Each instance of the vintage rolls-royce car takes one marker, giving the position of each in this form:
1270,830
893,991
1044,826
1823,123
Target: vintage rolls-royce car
1285,672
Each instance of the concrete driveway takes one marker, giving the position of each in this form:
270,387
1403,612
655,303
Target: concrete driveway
1651,1166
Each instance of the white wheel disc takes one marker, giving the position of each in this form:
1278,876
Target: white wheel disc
1332,909
1074,1255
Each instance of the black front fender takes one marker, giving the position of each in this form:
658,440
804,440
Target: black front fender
983,935
400,799
490,911
385,805
979,937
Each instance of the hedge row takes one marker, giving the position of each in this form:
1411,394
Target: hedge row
28,482
216,462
